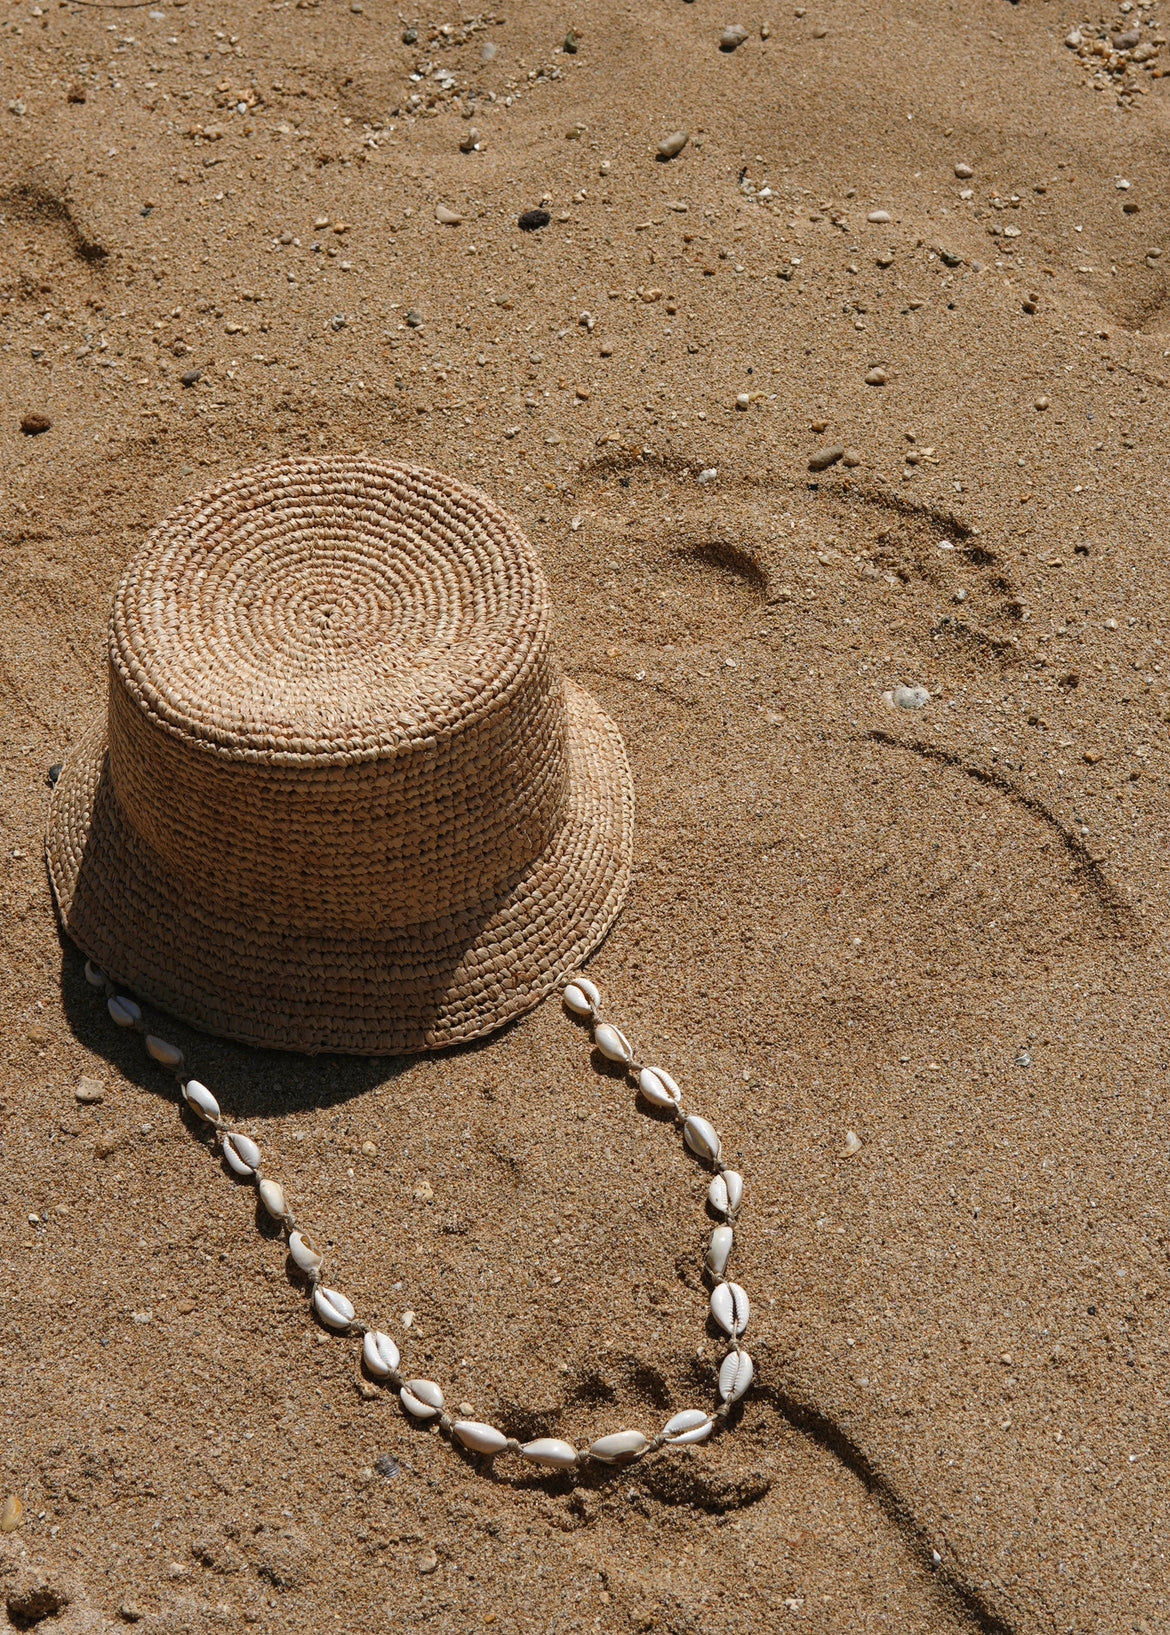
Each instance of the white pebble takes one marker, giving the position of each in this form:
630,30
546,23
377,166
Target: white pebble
708,476
719,1250
447,217
730,1308
577,1001
304,1251
422,1398
852,1144
658,1087
242,1153
93,975
481,1438
332,1307
692,1425
735,1375
878,216
124,1011
613,1043
671,146
910,698
618,1448
200,1099
549,1450
168,1055
701,1138
732,37
273,1199
380,1353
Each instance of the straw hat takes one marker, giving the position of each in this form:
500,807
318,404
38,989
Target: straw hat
343,800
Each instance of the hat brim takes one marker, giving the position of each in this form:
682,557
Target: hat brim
422,988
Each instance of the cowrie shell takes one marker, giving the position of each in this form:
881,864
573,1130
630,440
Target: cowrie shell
658,1087
273,1199
305,1252
200,1100
577,1001
479,1437
551,1451
726,1191
422,1398
701,1138
168,1055
241,1152
332,1307
380,1353
613,1043
719,1249
736,1373
618,1448
590,989
730,1308
94,975
124,1011
692,1425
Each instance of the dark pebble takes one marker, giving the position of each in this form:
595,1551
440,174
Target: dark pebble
387,1466
950,258
34,424
531,220
410,37
571,43
192,377
55,772
414,319
826,457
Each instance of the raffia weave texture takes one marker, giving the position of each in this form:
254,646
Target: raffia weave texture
343,799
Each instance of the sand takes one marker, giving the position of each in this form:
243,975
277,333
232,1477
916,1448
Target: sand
941,928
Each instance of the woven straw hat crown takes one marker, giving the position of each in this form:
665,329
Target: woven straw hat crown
343,798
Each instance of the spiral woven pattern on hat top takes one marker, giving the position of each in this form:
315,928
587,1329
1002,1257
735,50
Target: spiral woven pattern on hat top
343,798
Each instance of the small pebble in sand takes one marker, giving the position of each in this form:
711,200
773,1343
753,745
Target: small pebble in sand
34,424
671,146
963,171
886,259
606,349
765,31
826,457
129,1611
1023,1058
743,400
470,140
852,1144
369,1149
732,37
191,378
11,1514
448,217
89,1090
875,377
1040,403
427,1562
708,476
902,697
878,216
531,221
414,319
490,52
851,458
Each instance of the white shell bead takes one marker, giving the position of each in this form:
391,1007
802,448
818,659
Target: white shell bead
245,1147
273,1199
305,1252
94,975
124,1011
579,1003
733,1181
611,1042
730,1308
234,1161
658,1087
736,1373
717,1195
200,1099
168,1055
551,1451
479,1437
719,1250
590,989
332,1307
422,1398
619,1447
701,1138
692,1425
380,1353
